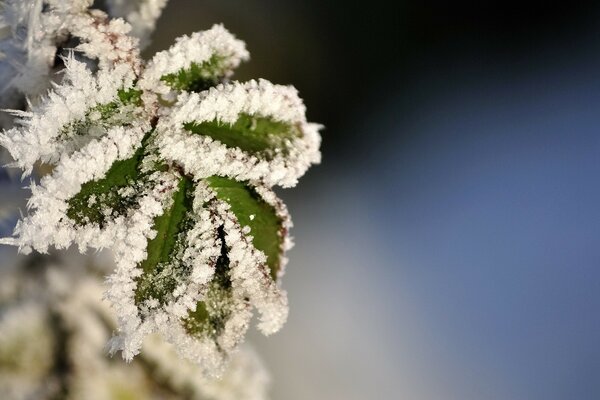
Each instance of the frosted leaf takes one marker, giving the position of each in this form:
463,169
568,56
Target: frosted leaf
33,30
254,131
64,113
168,281
245,273
50,225
194,62
202,274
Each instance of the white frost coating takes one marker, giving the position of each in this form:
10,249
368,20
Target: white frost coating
204,351
251,286
226,102
210,355
32,30
141,14
49,225
202,156
196,48
36,138
249,272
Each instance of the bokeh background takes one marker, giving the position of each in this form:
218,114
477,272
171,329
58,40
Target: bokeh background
448,247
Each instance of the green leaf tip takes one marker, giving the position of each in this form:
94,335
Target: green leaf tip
199,76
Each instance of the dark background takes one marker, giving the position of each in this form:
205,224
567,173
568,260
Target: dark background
448,247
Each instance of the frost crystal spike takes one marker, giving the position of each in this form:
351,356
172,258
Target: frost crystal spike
171,165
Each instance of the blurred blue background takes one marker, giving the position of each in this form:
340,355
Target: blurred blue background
448,247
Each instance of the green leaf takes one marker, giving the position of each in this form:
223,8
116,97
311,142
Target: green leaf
199,76
100,199
161,269
254,134
251,210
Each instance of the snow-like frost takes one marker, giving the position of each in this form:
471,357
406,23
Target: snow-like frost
31,32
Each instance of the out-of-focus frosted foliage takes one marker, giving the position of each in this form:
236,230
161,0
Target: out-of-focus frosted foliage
53,332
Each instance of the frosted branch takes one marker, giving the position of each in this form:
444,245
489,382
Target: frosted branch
168,164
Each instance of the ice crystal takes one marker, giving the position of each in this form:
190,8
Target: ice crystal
171,165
